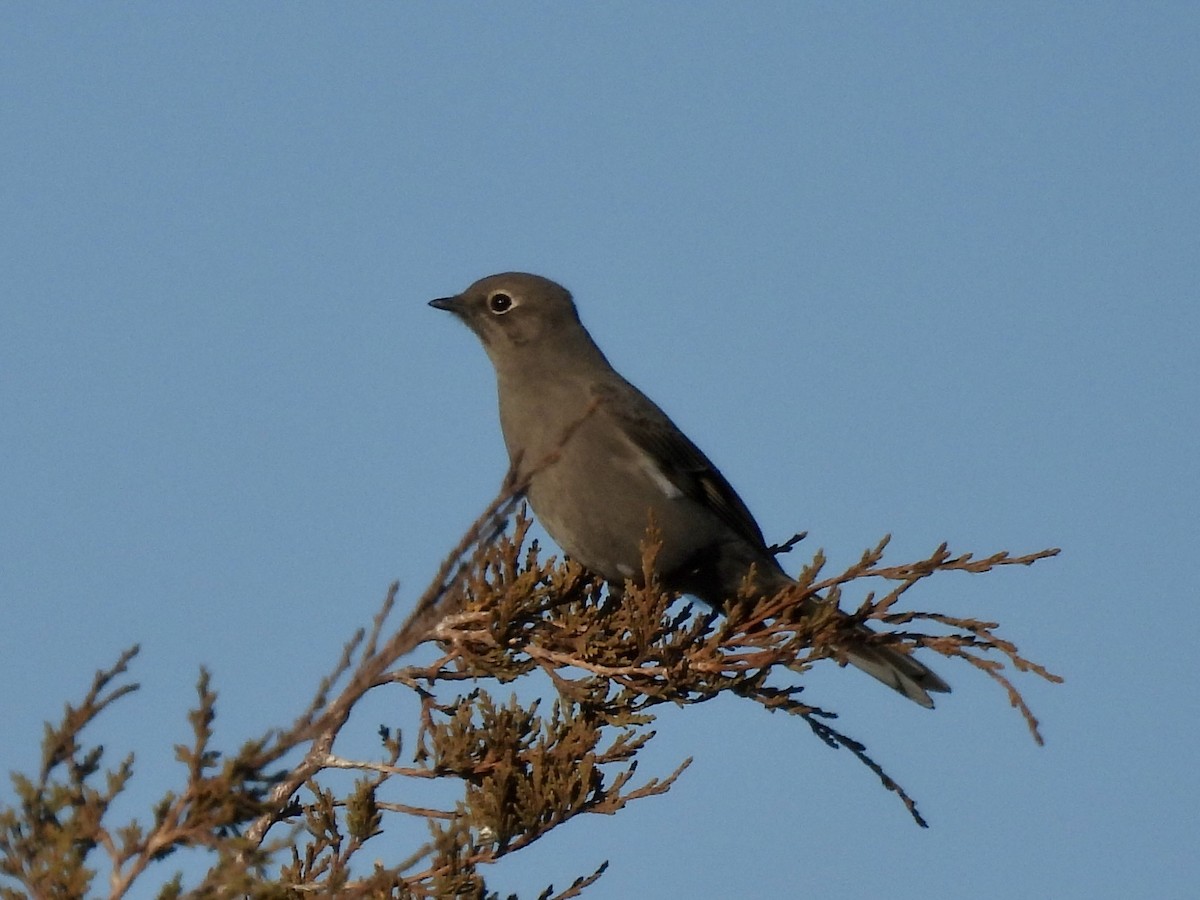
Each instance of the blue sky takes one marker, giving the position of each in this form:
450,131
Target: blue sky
926,269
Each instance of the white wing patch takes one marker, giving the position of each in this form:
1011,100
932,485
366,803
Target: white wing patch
661,481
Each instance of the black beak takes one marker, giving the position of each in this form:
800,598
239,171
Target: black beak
449,304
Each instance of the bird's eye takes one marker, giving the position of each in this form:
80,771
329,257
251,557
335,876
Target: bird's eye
500,303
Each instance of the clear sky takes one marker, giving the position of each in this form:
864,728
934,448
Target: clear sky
927,269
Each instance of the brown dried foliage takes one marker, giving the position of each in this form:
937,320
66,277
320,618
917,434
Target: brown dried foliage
274,825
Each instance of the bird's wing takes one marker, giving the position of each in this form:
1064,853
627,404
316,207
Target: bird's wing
680,461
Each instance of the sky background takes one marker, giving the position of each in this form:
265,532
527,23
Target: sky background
926,269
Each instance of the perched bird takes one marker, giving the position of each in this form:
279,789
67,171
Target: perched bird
601,459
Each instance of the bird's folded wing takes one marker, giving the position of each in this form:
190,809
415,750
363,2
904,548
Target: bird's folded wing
678,460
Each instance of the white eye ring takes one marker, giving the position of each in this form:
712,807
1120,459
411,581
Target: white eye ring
500,303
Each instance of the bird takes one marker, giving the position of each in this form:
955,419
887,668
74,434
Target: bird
600,460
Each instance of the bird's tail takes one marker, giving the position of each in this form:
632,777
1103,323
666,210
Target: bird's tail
898,670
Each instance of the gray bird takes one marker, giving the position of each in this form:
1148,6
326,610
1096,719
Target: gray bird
601,459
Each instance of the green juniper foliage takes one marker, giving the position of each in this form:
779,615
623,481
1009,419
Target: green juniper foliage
275,827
